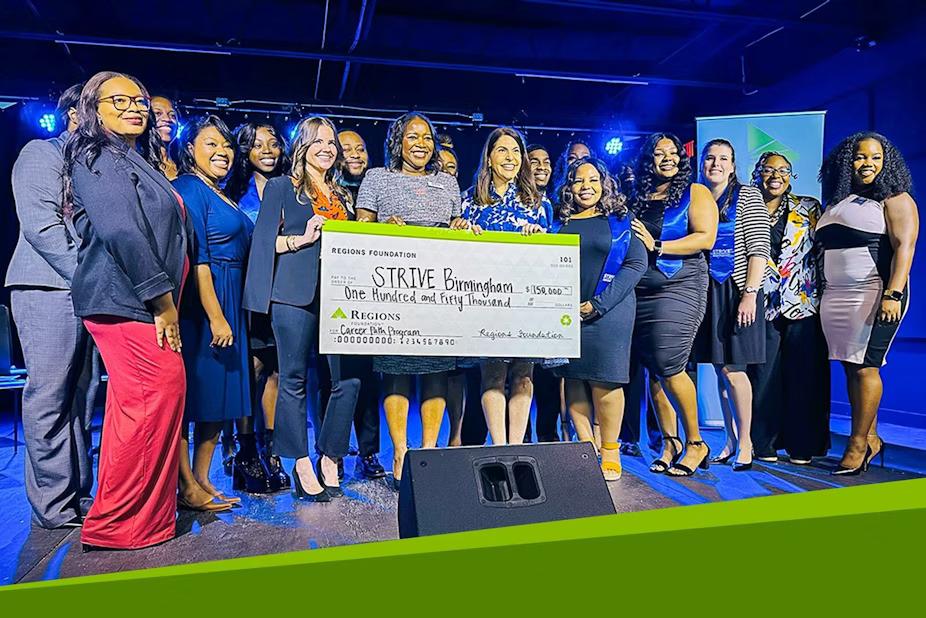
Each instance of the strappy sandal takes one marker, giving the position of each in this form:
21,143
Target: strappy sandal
678,469
659,466
611,470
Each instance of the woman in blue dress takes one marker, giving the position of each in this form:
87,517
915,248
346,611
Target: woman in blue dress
212,320
505,199
611,262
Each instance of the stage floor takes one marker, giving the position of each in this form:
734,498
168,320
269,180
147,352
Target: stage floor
278,523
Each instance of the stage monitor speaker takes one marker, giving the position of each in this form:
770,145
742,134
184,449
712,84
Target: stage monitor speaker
472,488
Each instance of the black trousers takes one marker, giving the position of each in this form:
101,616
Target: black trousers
637,403
366,414
475,431
296,333
547,401
791,391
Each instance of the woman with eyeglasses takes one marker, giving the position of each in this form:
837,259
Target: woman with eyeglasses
133,259
868,232
791,390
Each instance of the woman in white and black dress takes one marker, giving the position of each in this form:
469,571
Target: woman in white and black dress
868,233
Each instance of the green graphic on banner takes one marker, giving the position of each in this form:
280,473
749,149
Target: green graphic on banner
760,141
338,314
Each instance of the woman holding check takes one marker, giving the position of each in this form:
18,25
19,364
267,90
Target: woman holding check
282,280
612,259
411,190
504,199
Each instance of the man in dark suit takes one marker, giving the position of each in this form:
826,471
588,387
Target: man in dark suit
59,355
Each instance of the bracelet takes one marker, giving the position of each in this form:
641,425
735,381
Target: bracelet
750,290
291,243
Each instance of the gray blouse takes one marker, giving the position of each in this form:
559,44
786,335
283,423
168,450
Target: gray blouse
431,200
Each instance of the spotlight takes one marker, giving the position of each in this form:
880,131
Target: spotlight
181,127
48,122
614,146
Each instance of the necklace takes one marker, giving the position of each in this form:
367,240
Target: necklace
216,190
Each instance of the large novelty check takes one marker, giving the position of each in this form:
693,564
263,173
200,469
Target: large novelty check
416,291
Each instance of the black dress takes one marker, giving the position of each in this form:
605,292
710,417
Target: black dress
606,337
669,310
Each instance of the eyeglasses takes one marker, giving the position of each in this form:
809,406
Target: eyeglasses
123,102
768,171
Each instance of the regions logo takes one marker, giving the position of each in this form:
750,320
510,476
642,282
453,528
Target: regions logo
338,314
565,320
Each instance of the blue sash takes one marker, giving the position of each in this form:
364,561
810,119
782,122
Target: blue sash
721,256
621,234
674,226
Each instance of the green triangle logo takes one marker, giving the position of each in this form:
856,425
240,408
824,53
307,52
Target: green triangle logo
760,141
338,314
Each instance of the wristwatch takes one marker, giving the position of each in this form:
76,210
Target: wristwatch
657,246
750,290
892,295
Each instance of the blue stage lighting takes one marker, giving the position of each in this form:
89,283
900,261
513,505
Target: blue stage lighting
48,122
614,146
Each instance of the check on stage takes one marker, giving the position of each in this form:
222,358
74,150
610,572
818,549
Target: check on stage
417,291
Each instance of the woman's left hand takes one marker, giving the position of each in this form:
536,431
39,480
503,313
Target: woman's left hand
643,234
532,228
746,313
890,311
586,310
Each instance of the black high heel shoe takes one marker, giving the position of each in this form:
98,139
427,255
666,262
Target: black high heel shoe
863,467
302,494
334,490
722,459
659,466
678,469
879,452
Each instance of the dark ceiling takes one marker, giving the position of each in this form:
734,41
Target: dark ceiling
688,56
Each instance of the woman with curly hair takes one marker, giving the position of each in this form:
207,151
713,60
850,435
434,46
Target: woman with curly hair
504,199
791,395
868,233
412,190
732,335
612,259
261,155
576,149
677,222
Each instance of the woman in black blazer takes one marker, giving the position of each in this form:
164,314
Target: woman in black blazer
282,280
132,261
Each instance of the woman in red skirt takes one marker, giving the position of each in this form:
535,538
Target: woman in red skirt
132,261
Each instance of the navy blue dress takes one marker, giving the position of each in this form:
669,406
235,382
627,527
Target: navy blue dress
218,386
606,337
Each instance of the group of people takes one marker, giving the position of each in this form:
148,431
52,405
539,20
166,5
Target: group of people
193,264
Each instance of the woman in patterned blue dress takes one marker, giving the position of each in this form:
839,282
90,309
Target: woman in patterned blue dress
505,199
